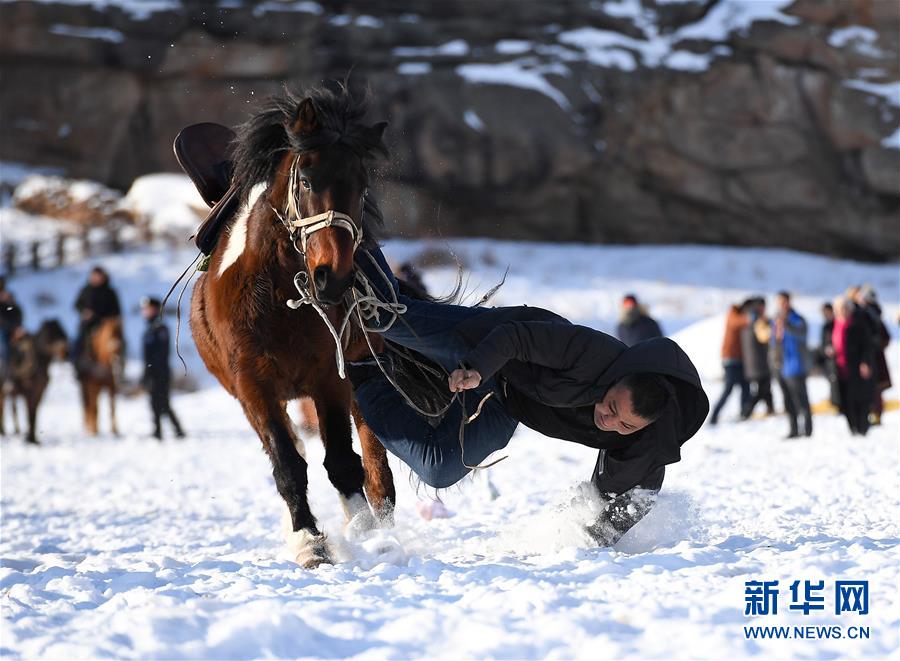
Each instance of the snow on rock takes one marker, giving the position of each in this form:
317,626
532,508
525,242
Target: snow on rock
515,74
137,9
472,119
613,49
414,68
736,16
893,140
303,6
103,34
890,92
454,48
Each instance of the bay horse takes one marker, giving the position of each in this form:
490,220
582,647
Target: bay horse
104,372
29,372
303,157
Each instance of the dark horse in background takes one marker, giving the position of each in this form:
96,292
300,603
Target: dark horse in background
265,353
29,372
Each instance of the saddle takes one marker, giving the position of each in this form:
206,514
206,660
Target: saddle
202,152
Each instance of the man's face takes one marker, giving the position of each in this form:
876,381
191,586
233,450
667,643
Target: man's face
784,304
615,413
96,279
149,311
828,313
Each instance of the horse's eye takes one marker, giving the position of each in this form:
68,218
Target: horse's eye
305,183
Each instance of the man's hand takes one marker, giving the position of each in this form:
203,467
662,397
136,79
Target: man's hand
464,380
865,371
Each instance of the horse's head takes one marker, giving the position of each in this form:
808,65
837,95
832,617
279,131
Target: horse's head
319,185
52,339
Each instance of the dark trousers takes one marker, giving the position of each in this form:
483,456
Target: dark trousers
160,405
796,403
856,402
435,454
761,391
734,376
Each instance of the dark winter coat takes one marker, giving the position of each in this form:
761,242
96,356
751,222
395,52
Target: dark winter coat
755,353
636,327
859,348
555,371
881,340
102,301
156,353
827,331
10,318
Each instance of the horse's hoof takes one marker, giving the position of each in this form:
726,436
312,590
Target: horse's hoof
308,550
385,518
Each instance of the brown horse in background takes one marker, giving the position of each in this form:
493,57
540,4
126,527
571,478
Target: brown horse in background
29,372
299,157
103,372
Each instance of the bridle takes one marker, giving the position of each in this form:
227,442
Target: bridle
300,228
361,302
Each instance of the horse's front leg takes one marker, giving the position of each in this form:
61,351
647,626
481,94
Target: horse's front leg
379,481
270,421
343,465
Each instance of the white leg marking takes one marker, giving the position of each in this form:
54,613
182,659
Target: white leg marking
358,518
306,549
354,505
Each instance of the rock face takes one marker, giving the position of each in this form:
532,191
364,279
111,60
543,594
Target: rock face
707,121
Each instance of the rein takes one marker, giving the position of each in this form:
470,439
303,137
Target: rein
361,302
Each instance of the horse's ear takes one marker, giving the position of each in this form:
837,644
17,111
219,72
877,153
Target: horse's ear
306,121
378,129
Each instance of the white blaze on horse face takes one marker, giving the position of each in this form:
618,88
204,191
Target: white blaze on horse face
237,236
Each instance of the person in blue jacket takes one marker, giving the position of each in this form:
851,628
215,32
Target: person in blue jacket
790,358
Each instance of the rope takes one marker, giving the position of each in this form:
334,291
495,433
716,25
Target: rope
367,305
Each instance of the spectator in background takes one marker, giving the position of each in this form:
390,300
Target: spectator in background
10,321
825,354
854,352
881,339
755,338
157,377
635,325
791,363
733,361
96,302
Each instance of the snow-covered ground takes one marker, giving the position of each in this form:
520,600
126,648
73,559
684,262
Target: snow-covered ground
131,548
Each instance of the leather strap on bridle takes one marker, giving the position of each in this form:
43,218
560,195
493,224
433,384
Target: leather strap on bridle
306,226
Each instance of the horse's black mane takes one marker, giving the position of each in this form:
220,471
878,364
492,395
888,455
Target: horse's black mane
262,140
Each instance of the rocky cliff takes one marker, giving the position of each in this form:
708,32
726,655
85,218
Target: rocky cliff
744,122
